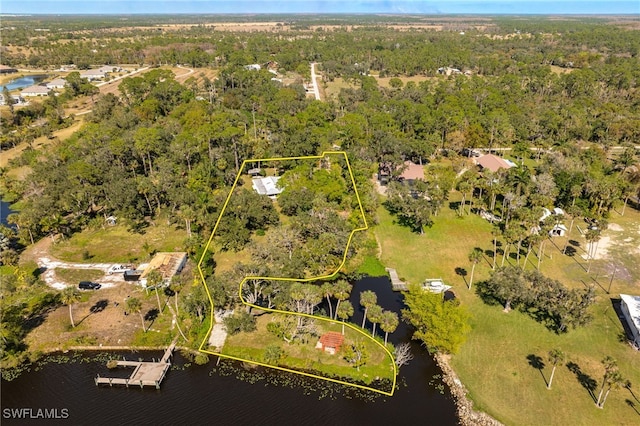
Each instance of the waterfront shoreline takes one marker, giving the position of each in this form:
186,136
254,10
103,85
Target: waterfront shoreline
467,416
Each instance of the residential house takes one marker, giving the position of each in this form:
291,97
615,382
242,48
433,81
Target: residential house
168,264
7,70
58,83
92,75
492,162
106,69
267,186
36,90
630,307
410,172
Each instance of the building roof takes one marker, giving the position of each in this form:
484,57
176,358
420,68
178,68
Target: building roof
492,162
167,263
58,82
92,73
266,185
332,339
633,305
412,171
35,89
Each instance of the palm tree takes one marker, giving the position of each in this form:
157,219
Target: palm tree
341,291
614,381
474,257
610,368
556,357
375,316
328,291
592,236
367,299
69,296
154,280
344,312
134,305
389,323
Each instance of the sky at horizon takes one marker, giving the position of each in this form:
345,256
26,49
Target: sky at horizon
584,7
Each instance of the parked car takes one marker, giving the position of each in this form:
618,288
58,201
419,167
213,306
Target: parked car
118,269
88,285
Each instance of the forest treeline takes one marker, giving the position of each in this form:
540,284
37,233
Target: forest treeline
163,146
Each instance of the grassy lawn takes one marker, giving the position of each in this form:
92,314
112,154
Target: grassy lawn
251,346
73,276
116,244
494,363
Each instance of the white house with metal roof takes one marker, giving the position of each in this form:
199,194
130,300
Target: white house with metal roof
267,186
630,306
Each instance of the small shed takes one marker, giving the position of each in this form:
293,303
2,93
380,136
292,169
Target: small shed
558,231
330,342
630,307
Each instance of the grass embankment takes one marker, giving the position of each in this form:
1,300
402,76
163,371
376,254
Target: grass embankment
494,362
117,244
304,356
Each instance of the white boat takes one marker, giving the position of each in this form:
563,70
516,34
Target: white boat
435,286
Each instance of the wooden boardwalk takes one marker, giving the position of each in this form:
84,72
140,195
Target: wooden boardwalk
144,373
396,283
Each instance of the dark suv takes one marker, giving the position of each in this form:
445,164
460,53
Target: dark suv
88,285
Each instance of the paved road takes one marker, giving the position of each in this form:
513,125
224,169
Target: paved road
316,91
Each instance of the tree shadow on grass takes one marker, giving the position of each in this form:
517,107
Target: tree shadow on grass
536,362
584,379
98,307
632,404
151,316
463,273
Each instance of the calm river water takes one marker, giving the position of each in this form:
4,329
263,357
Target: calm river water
196,395
22,82
5,211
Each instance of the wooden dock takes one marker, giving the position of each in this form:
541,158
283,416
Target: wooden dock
144,373
396,283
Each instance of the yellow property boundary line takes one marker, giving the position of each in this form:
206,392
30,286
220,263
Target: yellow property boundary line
344,259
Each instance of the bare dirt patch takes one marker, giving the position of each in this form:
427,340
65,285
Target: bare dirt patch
99,321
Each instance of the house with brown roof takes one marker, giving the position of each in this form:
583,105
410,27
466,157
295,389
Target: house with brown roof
410,172
330,342
492,162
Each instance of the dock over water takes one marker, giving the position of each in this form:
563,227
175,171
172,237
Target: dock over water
144,373
396,283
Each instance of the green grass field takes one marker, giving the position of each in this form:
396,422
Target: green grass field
117,244
251,346
493,363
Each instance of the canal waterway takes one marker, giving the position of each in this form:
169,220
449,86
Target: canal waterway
25,81
207,394
5,211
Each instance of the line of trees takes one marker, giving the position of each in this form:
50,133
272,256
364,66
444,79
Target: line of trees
545,299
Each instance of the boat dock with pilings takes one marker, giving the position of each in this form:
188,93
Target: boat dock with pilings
396,283
144,373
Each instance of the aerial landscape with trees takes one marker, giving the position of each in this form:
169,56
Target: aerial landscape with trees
162,154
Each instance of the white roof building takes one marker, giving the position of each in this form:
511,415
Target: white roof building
35,91
267,185
58,83
106,69
92,74
630,306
